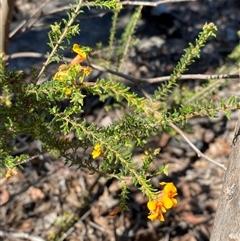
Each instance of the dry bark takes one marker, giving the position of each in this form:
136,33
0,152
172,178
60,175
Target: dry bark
227,221
6,11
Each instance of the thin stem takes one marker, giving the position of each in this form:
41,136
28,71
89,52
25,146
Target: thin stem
199,153
74,15
126,76
19,27
20,235
153,4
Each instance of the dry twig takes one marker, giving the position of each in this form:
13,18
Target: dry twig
21,236
127,76
153,4
199,153
19,27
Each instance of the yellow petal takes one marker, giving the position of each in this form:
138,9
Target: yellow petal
8,174
153,216
151,205
59,76
68,91
62,67
56,76
163,209
170,188
87,70
167,202
174,201
97,151
95,154
76,48
161,217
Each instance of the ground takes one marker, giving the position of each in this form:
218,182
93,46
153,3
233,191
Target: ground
48,200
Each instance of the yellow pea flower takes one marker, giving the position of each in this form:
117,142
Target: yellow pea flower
68,91
164,201
156,209
170,191
64,71
97,151
81,54
10,172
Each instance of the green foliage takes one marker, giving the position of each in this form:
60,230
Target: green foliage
34,108
109,4
127,37
191,53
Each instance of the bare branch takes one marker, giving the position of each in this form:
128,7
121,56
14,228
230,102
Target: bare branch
70,230
199,153
29,159
194,76
126,76
25,55
20,235
165,78
19,27
153,4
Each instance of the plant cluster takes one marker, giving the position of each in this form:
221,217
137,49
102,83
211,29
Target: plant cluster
34,109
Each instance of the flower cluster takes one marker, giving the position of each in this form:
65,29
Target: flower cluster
165,200
97,151
65,70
